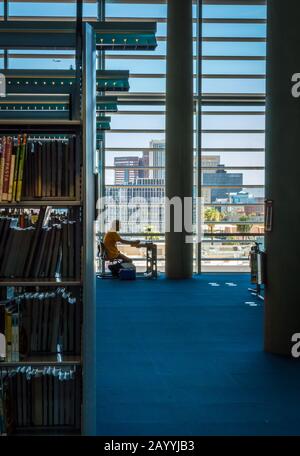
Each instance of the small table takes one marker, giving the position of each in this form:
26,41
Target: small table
151,257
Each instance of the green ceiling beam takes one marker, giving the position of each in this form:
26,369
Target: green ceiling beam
103,123
57,106
125,35
62,35
107,103
60,81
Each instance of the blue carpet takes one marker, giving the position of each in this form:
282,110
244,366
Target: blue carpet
186,358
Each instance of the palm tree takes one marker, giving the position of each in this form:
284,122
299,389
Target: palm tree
244,227
212,214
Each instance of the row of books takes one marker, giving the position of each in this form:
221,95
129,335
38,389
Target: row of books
12,159
51,169
40,322
25,217
38,169
40,251
44,400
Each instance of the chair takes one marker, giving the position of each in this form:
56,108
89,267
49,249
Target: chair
104,257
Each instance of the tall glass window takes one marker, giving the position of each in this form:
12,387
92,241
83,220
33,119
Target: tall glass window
229,159
232,55
135,145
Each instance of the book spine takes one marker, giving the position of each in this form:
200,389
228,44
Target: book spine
21,169
8,335
15,338
6,172
1,167
16,172
11,177
2,333
2,416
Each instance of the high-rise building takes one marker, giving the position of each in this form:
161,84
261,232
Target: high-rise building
210,161
157,159
144,165
123,174
219,184
138,205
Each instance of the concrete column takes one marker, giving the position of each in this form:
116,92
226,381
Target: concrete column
282,307
179,131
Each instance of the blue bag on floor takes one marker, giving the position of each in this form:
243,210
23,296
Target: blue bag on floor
127,271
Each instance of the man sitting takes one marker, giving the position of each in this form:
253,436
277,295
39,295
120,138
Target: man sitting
110,241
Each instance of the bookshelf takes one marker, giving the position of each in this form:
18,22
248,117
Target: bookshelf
44,104
82,126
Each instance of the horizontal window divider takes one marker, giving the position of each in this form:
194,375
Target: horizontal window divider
234,204
204,76
144,259
233,39
163,57
128,149
205,235
204,149
136,19
41,56
232,21
227,241
134,167
142,234
138,102
231,2
233,113
115,130
205,241
233,102
204,113
208,99
205,20
232,149
240,259
134,186
223,39
154,130
233,57
162,186
233,131
142,113
214,168
212,235
233,222
233,76
147,75
50,18
242,168
234,186
134,57
211,95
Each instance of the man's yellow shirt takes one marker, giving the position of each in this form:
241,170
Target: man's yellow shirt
110,240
